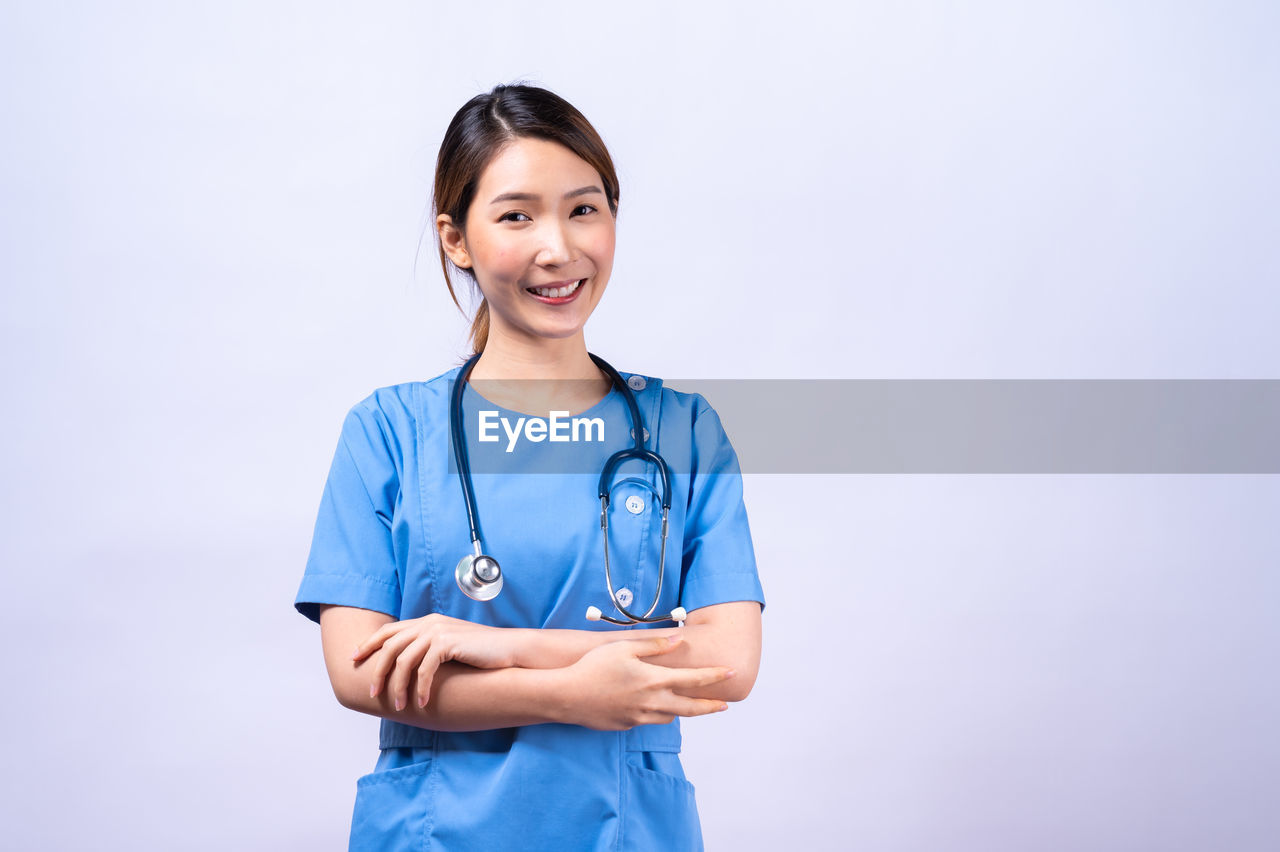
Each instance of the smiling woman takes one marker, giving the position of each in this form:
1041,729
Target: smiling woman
548,188
510,720
542,233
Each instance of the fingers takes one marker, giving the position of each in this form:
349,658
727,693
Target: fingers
391,651
375,641
686,678
682,706
406,663
426,673
679,705
655,646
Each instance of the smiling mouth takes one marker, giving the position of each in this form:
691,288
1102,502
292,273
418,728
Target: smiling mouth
556,292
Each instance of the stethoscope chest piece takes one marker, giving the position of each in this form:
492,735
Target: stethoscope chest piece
479,576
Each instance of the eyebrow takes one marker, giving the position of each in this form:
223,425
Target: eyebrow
529,196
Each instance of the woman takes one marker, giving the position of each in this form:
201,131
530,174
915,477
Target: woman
516,722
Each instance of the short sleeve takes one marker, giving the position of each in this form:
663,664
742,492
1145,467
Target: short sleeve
352,561
719,564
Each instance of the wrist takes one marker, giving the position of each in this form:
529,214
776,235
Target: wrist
525,648
555,689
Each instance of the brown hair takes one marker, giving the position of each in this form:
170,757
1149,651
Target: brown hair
478,132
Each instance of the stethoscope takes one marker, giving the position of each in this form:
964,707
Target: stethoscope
479,575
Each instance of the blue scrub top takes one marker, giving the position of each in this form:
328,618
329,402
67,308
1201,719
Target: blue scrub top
391,528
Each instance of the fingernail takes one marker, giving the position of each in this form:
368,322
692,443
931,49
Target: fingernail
671,640
730,673
399,705
373,690
724,707
422,702
355,653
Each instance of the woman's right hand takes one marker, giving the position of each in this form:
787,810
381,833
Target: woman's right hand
401,650
614,689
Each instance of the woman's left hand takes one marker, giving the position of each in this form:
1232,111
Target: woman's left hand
421,644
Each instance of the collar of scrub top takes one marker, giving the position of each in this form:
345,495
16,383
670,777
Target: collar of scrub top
480,577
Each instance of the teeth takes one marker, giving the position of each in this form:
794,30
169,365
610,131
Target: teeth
555,293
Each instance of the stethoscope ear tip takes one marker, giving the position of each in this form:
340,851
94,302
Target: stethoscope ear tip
593,613
678,614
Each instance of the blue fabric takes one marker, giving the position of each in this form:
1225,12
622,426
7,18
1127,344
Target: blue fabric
391,527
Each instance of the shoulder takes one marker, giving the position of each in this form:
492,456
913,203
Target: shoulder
404,403
391,416
676,404
677,410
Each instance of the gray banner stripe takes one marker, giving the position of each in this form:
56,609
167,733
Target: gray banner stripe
972,426
999,426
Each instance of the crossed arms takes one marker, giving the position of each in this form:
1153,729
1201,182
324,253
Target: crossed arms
452,675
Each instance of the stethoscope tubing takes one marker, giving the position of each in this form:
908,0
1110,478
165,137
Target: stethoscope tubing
461,457
638,451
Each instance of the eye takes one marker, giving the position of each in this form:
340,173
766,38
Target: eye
507,217
586,207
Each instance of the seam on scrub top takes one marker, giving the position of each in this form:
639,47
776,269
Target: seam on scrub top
623,804
688,502
433,787
646,534
389,584
420,450
368,495
381,420
693,447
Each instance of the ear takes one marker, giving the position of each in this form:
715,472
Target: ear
452,241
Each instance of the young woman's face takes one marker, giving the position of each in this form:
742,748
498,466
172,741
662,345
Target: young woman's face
540,220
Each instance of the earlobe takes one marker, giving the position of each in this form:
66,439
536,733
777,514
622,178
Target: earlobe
460,257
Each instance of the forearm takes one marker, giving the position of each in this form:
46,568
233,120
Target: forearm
703,645
611,688
539,688
549,648
463,698
710,645
552,648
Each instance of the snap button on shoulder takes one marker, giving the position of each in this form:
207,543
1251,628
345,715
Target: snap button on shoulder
636,383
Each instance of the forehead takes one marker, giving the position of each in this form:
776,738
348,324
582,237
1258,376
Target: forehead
534,165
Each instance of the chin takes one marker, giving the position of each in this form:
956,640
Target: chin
558,334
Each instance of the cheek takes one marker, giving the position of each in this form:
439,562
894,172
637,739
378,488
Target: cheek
602,247
500,262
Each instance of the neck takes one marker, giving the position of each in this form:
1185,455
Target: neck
506,357
535,377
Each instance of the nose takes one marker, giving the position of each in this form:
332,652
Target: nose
555,249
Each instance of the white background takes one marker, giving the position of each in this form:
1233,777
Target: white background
209,221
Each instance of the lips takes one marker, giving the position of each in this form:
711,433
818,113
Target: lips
556,289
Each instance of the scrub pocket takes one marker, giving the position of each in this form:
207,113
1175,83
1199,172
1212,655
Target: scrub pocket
392,809
659,810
